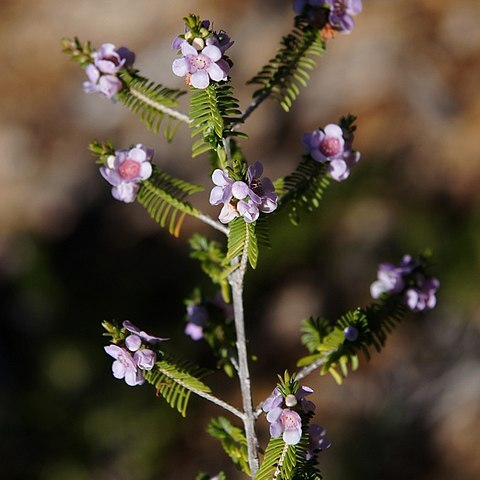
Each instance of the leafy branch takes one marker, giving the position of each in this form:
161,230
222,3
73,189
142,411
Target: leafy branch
283,74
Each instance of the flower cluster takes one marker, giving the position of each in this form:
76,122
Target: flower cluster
102,73
202,57
130,366
419,291
340,12
197,317
286,421
245,199
332,146
126,169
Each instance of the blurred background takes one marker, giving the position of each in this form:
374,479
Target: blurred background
71,256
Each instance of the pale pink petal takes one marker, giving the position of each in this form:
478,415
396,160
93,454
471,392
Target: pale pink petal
212,52
200,79
180,67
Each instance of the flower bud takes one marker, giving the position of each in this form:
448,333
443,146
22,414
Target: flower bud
198,43
188,36
290,400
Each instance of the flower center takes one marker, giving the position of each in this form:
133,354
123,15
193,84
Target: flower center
289,420
113,59
129,169
330,146
198,62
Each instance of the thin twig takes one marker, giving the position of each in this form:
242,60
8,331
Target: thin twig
251,108
213,223
158,106
280,462
207,396
236,283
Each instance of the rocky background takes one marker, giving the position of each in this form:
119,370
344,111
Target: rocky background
70,256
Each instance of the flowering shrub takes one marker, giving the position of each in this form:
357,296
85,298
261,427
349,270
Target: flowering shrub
249,200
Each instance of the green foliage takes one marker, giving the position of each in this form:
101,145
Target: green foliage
175,381
327,342
233,441
164,198
287,385
242,234
288,70
303,188
101,150
212,258
213,112
79,52
279,461
153,102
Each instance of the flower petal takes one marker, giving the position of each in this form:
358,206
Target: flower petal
212,52
200,79
180,67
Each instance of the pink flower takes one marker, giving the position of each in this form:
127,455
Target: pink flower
124,366
201,67
287,423
126,169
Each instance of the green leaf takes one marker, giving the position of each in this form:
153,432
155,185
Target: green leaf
233,441
373,325
278,457
213,112
175,382
288,70
303,189
240,235
164,198
153,102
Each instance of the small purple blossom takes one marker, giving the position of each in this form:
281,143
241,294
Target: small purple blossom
306,405
246,199
419,291
143,335
197,317
200,67
273,401
329,146
351,333
317,440
341,12
124,365
286,422
126,169
423,296
107,62
391,278
145,358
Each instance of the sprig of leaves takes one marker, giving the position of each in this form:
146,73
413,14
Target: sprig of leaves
164,198
328,342
289,69
175,381
233,441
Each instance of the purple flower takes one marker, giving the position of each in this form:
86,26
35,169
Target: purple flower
306,405
391,278
197,317
317,440
351,333
341,12
422,296
145,358
201,67
126,169
124,365
286,422
143,335
329,146
273,401
101,74
220,40
241,198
